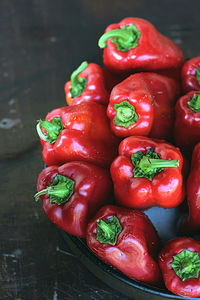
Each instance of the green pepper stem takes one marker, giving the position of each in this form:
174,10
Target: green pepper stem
125,114
78,84
119,33
198,75
194,103
76,72
40,133
108,230
43,192
186,264
151,163
59,191
53,129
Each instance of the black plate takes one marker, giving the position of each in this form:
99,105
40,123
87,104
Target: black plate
164,221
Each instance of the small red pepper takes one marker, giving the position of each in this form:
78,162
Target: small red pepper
179,262
143,104
190,75
78,132
147,173
89,82
187,122
73,193
192,222
134,44
127,240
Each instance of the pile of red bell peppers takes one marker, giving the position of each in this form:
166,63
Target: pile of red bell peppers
130,130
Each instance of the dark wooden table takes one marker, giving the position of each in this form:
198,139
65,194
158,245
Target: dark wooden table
41,43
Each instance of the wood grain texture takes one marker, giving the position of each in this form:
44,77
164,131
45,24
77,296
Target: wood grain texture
41,43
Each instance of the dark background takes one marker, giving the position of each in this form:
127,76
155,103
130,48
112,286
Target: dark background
41,43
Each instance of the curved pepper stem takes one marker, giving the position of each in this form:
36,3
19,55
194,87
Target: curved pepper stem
59,191
108,230
125,115
149,164
186,264
198,75
125,38
52,128
78,84
194,103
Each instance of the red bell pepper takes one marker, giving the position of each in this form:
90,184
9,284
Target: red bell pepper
143,104
187,122
192,222
190,75
89,83
73,193
78,132
135,44
147,173
126,239
179,262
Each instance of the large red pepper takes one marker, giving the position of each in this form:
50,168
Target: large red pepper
143,104
179,261
190,75
147,173
89,83
73,193
187,121
78,132
192,222
135,44
127,240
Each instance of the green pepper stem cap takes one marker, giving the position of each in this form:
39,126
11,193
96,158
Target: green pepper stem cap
149,164
59,191
186,264
78,84
53,129
194,103
125,38
125,114
108,230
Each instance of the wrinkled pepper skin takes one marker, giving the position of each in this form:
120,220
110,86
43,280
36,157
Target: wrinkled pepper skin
92,189
136,248
188,287
165,189
152,99
151,50
99,83
86,136
187,123
190,75
191,223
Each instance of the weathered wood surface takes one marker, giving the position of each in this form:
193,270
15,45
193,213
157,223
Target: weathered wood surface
41,42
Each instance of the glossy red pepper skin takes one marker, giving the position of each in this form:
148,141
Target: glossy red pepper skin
98,87
154,51
188,288
135,252
188,75
86,136
166,188
191,223
187,124
153,97
92,190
